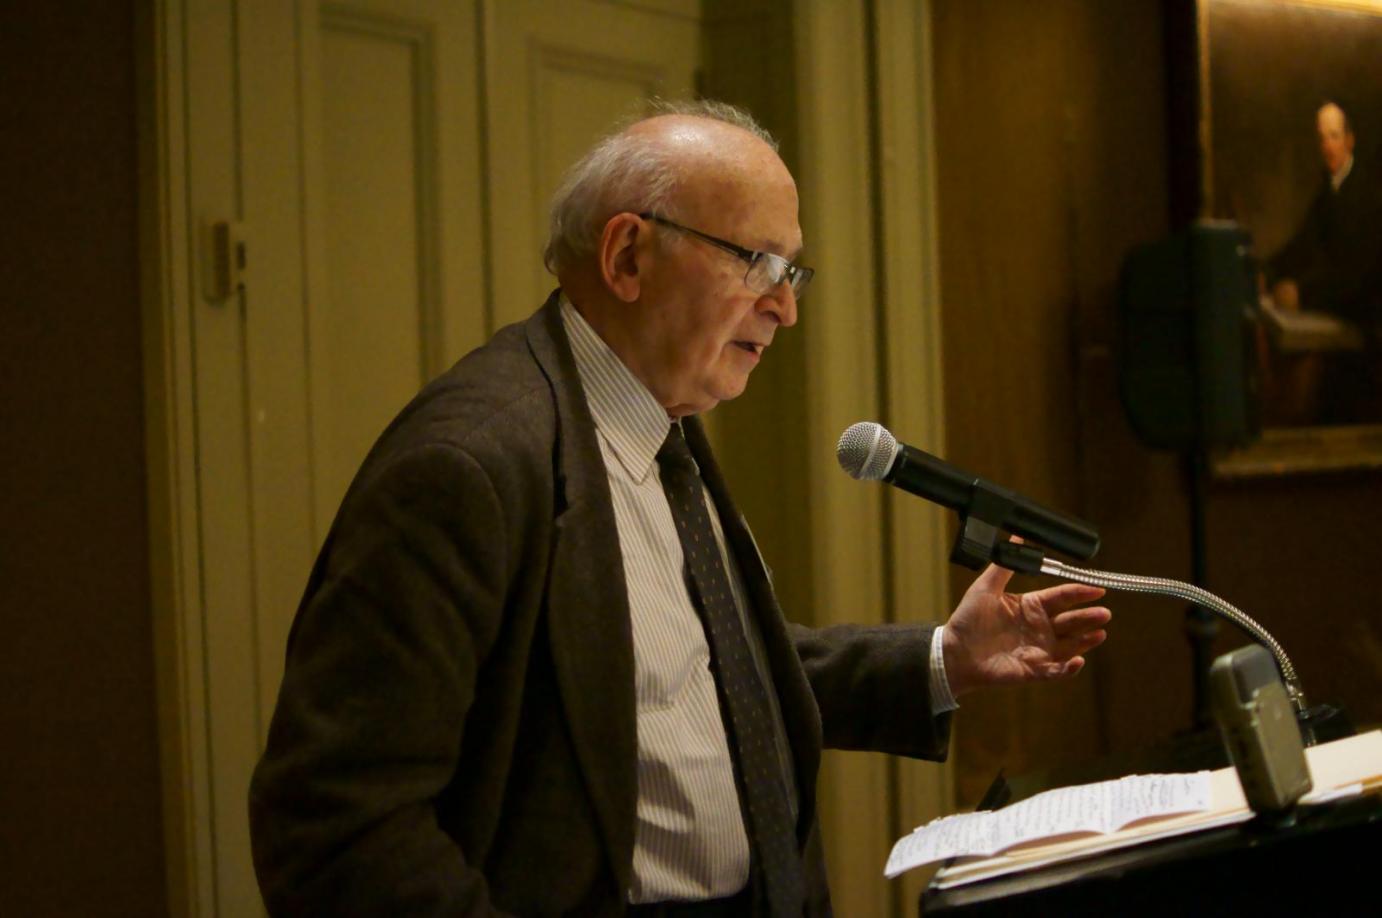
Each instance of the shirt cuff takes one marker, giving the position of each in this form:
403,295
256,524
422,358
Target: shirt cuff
941,699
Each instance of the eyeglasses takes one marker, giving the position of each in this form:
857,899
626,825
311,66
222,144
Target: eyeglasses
766,270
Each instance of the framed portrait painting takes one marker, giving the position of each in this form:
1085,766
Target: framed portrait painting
1287,142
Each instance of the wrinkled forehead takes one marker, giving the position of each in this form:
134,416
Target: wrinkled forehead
729,183
742,190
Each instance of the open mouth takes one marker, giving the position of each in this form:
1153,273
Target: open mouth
749,346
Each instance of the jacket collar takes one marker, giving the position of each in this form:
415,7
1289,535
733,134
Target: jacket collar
626,413
587,603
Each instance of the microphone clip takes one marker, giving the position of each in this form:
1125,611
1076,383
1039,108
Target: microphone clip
981,539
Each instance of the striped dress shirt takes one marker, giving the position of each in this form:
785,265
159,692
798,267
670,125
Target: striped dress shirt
690,841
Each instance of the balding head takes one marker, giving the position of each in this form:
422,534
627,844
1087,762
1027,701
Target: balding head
643,166
661,236
1335,136
720,169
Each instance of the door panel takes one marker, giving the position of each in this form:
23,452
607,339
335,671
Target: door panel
348,140
395,234
345,139
378,314
556,82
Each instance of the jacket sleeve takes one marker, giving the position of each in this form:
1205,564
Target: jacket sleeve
871,684
1346,281
401,609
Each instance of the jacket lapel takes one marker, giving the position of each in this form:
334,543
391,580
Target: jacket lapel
800,715
587,603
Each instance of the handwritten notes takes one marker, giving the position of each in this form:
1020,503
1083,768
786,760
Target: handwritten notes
1091,808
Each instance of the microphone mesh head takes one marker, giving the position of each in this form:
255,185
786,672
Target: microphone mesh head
866,451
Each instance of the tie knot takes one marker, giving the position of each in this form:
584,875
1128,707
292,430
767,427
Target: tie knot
675,454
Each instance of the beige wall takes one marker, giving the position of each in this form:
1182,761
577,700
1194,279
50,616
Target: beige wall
79,784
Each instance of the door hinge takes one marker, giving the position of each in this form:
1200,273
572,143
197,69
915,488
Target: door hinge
224,260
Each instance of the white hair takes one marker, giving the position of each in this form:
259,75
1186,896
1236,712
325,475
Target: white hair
626,172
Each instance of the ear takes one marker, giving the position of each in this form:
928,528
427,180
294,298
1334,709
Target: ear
621,255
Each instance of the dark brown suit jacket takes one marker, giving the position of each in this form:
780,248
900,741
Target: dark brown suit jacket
456,730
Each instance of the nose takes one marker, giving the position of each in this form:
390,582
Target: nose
781,303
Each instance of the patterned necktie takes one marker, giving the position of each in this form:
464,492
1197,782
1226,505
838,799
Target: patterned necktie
743,703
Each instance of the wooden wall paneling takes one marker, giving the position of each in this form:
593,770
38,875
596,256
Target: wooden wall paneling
1136,497
1295,554
1037,132
1007,291
1052,125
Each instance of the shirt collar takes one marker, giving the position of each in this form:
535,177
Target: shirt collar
1337,178
625,412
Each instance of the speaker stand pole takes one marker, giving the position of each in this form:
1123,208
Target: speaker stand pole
1201,627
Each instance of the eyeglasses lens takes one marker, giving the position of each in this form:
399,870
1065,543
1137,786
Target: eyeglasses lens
771,270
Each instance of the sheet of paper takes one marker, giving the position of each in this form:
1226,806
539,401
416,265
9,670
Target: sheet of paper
1351,760
1340,768
972,871
1091,808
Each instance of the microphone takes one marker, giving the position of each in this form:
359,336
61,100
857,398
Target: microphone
868,452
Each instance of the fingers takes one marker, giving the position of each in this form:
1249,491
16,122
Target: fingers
1079,630
1072,647
1077,621
1064,596
1065,670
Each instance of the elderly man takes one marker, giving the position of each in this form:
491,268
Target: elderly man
1333,264
539,668
1334,261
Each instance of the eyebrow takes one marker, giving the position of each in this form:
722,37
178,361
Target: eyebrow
772,247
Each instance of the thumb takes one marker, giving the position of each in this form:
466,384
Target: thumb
994,579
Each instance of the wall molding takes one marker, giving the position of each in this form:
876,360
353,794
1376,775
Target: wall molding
168,282
421,42
918,578
835,174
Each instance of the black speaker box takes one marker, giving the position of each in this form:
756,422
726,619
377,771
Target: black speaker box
1187,339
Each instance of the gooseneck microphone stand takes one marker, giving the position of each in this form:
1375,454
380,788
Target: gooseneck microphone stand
1031,560
1199,597
1028,558
867,451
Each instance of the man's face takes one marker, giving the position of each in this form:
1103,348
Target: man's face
702,330
1336,140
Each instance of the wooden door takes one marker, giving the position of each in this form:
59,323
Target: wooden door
388,163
